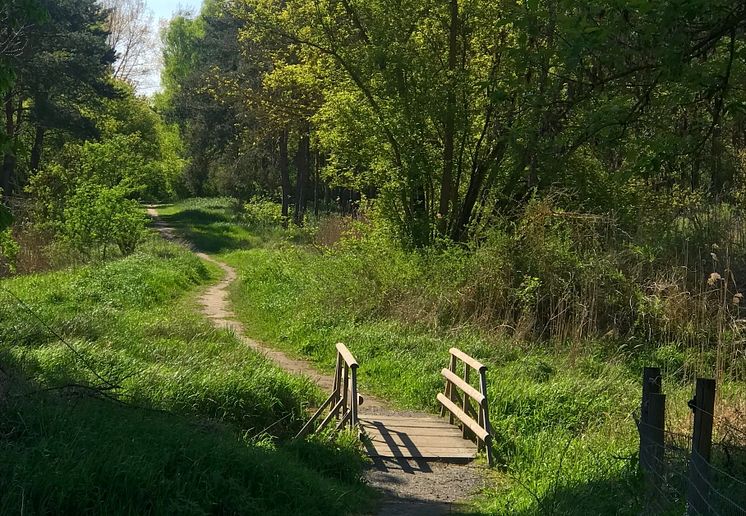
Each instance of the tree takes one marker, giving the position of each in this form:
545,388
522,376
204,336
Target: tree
15,18
64,69
129,23
472,107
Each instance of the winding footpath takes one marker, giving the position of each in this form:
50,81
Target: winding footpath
409,486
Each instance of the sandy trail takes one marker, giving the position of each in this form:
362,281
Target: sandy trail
409,487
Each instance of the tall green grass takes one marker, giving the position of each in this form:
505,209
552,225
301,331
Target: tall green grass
562,400
118,398
560,420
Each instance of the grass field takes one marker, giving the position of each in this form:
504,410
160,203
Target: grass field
566,440
194,402
118,398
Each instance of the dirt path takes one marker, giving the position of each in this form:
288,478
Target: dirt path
409,487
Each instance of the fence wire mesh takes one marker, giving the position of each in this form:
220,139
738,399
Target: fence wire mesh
675,474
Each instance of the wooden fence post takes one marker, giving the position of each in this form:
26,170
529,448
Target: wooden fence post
698,489
652,420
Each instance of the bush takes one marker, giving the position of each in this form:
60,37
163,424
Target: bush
8,245
8,252
97,216
262,213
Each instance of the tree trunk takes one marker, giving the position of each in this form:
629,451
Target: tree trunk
317,167
284,174
447,188
9,158
475,188
303,165
37,148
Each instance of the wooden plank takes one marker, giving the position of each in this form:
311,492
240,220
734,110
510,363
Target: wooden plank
397,435
422,454
413,432
404,419
422,442
480,432
346,355
434,448
467,359
465,387
383,448
413,423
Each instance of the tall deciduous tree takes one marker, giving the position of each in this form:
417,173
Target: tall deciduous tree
131,35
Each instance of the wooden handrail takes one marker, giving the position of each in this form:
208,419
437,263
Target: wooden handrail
346,355
482,428
465,387
344,399
465,419
467,359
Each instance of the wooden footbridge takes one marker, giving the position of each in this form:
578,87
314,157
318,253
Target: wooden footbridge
461,431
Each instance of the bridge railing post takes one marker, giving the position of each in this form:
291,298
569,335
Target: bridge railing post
354,404
485,412
344,400
481,428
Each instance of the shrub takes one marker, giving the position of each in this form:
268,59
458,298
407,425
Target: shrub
8,252
8,245
97,216
262,213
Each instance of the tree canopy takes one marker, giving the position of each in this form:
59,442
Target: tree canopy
450,112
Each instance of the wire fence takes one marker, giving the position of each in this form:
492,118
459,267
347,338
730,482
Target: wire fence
688,473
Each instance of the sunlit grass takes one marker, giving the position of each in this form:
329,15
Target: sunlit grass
562,412
191,421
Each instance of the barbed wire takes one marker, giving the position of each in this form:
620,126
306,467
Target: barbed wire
694,467
665,467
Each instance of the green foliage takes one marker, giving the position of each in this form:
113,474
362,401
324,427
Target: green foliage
8,252
97,216
8,246
88,194
455,112
262,213
149,150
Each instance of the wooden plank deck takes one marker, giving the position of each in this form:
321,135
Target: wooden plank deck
417,437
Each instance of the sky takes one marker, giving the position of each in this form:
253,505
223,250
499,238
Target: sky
162,11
